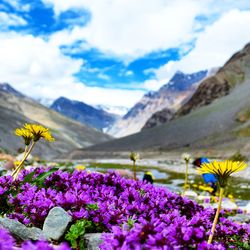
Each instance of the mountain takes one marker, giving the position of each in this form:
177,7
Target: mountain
17,109
159,118
5,87
234,72
117,110
170,95
84,113
166,114
47,102
220,125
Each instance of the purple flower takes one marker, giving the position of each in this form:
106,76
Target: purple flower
135,215
6,240
28,245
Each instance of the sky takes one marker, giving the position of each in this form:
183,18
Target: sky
112,52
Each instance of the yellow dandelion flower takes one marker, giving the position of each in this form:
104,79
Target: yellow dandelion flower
26,134
222,170
149,173
17,163
39,131
80,167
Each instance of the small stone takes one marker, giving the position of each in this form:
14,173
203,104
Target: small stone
248,207
21,231
92,241
56,223
241,218
36,233
190,193
227,204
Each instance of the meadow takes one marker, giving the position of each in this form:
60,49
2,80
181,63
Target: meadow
128,213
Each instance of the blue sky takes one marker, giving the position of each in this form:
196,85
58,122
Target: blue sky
112,52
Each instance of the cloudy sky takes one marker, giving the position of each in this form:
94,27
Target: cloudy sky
112,52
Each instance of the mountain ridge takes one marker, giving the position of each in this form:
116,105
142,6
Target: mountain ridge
170,95
15,110
234,71
84,113
222,124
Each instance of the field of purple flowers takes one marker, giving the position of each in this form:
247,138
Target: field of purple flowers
131,214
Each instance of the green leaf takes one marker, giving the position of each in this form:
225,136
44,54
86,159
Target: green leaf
76,231
40,178
28,178
92,206
131,222
81,244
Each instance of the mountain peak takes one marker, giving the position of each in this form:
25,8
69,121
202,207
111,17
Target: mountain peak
5,87
84,113
169,96
181,81
179,72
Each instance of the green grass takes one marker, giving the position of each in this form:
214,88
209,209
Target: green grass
243,132
234,78
244,115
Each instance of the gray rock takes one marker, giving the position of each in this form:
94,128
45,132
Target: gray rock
56,223
36,233
21,231
92,241
241,218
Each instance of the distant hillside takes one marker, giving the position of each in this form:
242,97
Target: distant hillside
16,109
5,87
159,118
221,124
234,72
84,113
170,95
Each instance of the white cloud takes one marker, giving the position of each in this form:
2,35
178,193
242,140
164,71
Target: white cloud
25,57
126,29
103,76
7,19
129,29
153,84
129,73
91,95
214,46
39,69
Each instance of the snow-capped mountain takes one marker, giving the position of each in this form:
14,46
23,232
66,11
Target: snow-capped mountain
47,102
171,95
118,110
84,113
5,87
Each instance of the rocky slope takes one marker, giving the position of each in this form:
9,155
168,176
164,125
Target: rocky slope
159,118
84,113
234,72
220,123
170,95
16,109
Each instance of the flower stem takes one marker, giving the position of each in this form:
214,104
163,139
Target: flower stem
134,167
186,177
216,216
26,154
